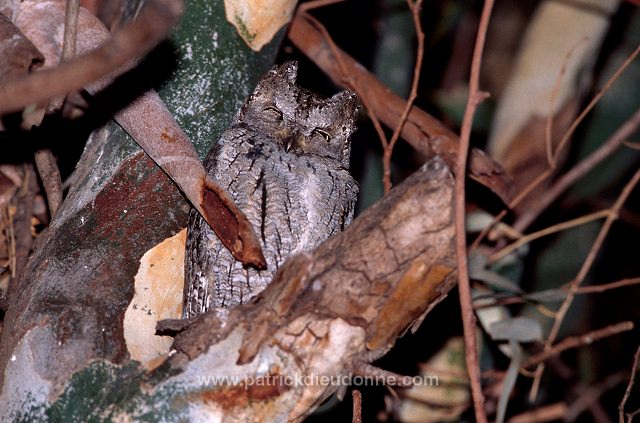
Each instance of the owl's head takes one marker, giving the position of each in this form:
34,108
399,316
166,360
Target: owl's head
299,121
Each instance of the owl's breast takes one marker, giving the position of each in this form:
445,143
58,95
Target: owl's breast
293,201
325,195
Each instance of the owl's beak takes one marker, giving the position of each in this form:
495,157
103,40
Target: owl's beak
294,140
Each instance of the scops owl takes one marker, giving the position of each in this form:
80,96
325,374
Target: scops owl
284,161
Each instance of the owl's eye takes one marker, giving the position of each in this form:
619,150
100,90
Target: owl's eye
323,134
273,111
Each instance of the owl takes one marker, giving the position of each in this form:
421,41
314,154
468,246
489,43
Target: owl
284,161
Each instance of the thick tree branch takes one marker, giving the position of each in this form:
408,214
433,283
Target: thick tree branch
422,131
134,40
331,309
326,313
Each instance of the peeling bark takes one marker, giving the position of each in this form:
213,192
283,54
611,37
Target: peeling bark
69,305
330,310
326,313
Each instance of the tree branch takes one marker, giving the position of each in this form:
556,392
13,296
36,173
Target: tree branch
423,132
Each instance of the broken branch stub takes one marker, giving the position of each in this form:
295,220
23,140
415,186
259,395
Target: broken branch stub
150,123
342,304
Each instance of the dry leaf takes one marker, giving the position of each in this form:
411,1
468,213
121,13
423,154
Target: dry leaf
562,41
257,21
151,125
158,295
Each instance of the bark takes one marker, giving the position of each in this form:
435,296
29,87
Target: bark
327,314
68,307
422,131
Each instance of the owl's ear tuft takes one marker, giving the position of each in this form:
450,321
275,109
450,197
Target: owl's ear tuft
287,71
348,101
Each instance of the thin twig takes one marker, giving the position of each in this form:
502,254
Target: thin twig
627,392
595,101
594,289
551,158
578,171
578,341
631,415
357,406
68,44
566,344
422,131
607,148
117,54
44,159
591,395
310,5
466,305
586,266
50,177
582,220
632,145
388,148
545,413
607,286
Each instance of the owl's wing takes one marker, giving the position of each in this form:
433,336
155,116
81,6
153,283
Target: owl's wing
242,163
329,196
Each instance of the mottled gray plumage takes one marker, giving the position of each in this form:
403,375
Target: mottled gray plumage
285,163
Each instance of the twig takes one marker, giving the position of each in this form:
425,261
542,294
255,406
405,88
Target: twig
68,44
542,177
357,406
50,177
578,171
594,101
607,286
631,415
566,344
586,266
421,130
548,231
468,316
632,145
314,4
609,146
594,289
388,148
578,341
44,159
627,392
545,413
591,395
134,40
390,378
551,158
